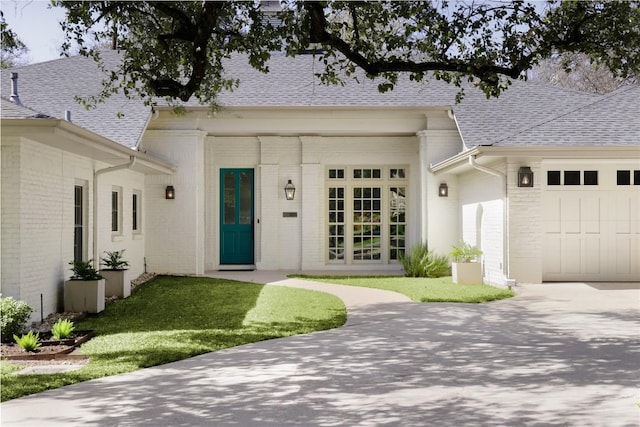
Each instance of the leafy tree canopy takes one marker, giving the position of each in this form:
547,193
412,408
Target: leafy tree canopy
176,49
11,47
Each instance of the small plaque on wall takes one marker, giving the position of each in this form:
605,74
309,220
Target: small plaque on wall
289,214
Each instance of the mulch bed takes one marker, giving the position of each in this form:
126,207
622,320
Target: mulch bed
50,349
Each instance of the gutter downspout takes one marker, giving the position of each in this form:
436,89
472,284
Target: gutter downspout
505,241
96,174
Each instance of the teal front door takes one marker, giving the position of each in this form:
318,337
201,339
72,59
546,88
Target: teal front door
236,216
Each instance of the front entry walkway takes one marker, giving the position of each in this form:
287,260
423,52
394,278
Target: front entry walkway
542,358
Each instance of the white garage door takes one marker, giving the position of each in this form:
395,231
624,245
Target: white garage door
591,222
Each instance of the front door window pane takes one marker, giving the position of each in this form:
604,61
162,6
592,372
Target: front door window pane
229,198
245,198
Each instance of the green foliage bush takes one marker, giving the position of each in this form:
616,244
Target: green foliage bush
13,317
421,262
62,329
28,342
114,260
83,270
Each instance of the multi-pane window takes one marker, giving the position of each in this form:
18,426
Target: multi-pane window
367,223
572,177
136,209
366,214
624,177
116,210
336,223
397,221
78,222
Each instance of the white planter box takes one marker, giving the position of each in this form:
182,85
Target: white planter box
118,283
84,295
466,273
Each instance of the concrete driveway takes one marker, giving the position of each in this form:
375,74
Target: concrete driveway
556,355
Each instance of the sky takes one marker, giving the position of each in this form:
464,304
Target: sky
37,26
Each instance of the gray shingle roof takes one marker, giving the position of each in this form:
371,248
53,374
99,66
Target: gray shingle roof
50,87
14,111
522,115
613,119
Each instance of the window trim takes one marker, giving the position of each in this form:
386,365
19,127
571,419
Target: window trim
385,182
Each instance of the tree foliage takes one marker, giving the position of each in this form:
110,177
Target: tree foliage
12,49
177,49
577,71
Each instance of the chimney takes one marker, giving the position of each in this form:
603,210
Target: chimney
14,90
67,115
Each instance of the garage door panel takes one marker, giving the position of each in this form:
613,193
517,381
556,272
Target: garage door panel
572,254
571,215
591,214
552,215
592,252
553,254
622,215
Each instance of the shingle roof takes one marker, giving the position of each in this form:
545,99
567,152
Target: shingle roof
517,117
50,87
14,111
613,119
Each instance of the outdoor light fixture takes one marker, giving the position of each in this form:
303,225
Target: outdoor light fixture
525,177
443,190
169,192
289,190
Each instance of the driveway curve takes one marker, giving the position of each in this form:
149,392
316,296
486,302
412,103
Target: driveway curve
555,355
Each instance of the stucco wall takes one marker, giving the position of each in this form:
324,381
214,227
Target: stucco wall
38,218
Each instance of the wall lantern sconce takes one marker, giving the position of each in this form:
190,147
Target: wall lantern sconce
289,190
443,190
169,192
525,177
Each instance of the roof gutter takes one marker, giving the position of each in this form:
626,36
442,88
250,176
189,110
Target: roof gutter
96,174
505,217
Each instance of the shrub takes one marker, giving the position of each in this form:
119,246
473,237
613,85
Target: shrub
28,342
13,317
83,270
62,329
114,260
421,262
464,252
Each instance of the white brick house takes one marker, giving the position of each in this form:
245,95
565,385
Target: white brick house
367,168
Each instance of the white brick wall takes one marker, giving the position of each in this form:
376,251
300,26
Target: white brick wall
38,216
525,225
175,231
482,214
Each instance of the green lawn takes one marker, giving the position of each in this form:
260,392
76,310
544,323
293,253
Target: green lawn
173,318
421,289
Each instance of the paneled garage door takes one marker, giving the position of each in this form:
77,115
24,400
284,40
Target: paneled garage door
591,222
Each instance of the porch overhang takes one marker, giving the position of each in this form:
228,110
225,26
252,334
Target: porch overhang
72,138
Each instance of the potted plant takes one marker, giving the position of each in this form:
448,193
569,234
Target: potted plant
85,290
466,267
118,280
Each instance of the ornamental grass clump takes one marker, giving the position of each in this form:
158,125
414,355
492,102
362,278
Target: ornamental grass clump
29,341
14,315
62,329
421,262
